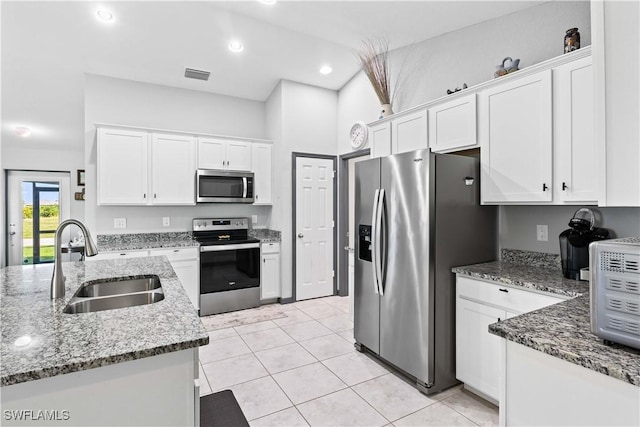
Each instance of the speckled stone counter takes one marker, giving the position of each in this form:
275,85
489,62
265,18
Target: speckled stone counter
265,235
141,241
64,343
561,330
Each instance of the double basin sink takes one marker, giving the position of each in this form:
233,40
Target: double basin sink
117,292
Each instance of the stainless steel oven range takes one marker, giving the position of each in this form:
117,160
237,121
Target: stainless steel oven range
229,265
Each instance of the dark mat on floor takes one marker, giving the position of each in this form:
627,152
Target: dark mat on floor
221,409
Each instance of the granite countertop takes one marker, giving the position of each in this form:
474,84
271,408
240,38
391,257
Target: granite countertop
64,343
561,330
142,241
265,235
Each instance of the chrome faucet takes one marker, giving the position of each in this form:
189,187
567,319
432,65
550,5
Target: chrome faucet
90,249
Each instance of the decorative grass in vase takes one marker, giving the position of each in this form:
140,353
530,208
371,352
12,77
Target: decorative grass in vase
374,61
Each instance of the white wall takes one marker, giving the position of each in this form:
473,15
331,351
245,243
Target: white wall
125,102
307,118
467,56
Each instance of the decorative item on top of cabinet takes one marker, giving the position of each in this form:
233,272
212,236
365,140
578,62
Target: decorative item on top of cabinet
270,271
571,40
452,125
458,89
508,66
262,171
217,153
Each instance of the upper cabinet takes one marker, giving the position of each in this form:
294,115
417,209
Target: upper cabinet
575,180
262,170
380,136
515,128
138,168
215,153
406,132
452,125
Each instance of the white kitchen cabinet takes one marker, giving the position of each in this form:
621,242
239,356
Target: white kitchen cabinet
139,168
574,157
173,169
262,170
515,130
117,255
270,271
122,167
479,304
186,263
452,125
217,153
409,132
380,136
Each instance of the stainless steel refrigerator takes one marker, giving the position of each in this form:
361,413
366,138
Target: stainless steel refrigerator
418,215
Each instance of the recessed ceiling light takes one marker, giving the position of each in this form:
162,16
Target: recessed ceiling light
325,69
236,46
22,131
104,15
267,1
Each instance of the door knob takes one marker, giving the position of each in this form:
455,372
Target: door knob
12,233
300,235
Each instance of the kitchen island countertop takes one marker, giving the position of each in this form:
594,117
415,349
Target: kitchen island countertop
63,343
561,330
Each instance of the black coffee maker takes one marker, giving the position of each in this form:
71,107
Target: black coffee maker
574,242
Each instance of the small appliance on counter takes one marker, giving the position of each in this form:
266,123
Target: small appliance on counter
615,290
574,242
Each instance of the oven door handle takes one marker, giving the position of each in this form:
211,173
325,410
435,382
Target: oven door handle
244,187
232,247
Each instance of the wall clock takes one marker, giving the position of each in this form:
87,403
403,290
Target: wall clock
358,135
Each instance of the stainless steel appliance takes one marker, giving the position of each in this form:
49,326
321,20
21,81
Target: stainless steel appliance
217,186
574,242
615,290
229,265
418,215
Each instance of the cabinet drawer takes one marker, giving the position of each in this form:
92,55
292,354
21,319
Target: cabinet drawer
118,255
176,254
271,248
502,296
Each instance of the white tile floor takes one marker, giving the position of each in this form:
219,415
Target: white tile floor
302,369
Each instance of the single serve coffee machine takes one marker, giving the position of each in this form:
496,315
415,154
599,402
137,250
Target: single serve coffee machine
574,242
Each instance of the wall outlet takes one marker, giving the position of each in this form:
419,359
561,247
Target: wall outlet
254,219
542,233
166,221
119,222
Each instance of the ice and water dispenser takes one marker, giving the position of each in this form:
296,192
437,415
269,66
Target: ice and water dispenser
364,242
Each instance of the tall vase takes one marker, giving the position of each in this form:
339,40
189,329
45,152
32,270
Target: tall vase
385,111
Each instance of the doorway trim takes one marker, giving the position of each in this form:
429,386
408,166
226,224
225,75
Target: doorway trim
343,227
294,172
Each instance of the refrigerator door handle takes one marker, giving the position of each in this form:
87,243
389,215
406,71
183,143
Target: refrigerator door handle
378,242
382,213
374,239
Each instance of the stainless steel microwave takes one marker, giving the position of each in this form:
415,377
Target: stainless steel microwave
218,186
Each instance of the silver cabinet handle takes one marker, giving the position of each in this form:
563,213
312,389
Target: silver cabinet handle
300,235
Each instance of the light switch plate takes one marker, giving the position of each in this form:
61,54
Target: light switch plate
119,222
254,219
542,233
166,221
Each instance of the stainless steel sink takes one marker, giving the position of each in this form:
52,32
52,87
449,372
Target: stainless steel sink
117,292
89,305
118,286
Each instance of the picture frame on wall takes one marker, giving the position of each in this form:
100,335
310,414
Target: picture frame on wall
81,177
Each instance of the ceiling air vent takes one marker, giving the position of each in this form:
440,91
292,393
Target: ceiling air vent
190,73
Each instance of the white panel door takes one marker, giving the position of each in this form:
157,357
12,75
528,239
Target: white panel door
516,140
409,132
122,167
262,169
212,153
238,156
314,228
173,169
574,141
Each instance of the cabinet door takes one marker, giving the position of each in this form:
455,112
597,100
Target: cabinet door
262,166
409,132
187,272
212,153
122,167
380,136
452,125
575,179
239,156
270,276
173,169
516,138
477,351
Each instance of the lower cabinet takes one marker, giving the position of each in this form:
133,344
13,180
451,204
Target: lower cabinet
478,304
270,271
